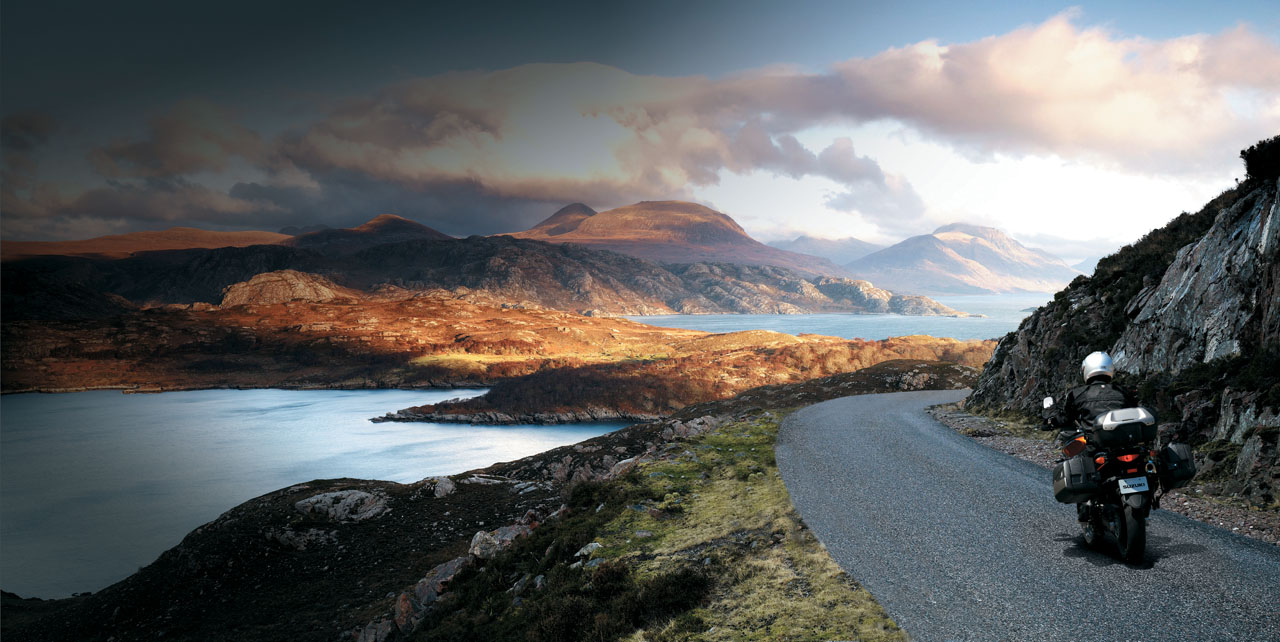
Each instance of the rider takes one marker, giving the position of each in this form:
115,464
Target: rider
1098,395
1084,403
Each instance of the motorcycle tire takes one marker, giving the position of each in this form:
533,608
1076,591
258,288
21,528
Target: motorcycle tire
1132,538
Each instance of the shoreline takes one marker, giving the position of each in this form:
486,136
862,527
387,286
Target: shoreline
145,389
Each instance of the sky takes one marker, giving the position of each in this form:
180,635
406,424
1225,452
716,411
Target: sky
1075,128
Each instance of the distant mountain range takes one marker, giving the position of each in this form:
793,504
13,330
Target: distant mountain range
122,245
668,235
963,259
838,251
670,232
391,252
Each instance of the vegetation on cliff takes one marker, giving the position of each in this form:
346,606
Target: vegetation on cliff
1191,312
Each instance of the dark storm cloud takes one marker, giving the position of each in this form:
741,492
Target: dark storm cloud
195,136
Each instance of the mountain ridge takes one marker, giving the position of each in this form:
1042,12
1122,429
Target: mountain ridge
838,251
670,232
963,258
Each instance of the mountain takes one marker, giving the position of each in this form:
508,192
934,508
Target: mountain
122,245
963,259
387,228
1191,314
838,251
519,271
670,232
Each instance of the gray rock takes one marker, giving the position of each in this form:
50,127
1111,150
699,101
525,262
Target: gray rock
484,545
445,487
588,549
344,505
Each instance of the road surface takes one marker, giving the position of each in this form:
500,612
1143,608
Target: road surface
961,542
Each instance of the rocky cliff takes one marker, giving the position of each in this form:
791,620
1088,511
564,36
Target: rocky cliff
1192,315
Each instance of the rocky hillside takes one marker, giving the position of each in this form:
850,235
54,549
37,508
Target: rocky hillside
285,286
963,259
671,232
523,272
1192,315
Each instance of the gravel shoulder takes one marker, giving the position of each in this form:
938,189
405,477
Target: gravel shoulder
1010,438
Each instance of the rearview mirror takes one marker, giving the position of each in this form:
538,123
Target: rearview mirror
1048,402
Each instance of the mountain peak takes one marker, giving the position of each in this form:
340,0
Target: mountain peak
669,231
962,258
971,230
566,219
386,228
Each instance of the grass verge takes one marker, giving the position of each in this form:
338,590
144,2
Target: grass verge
700,544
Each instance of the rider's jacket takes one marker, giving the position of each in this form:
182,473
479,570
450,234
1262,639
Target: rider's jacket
1083,403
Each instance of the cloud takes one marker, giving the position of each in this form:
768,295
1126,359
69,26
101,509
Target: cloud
194,136
488,151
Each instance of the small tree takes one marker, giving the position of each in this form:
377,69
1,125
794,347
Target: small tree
1262,159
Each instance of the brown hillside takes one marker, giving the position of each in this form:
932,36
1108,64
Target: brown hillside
670,232
122,245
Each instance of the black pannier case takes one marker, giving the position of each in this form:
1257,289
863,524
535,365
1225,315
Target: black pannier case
1177,467
1075,480
1124,427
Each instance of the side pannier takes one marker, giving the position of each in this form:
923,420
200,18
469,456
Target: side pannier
1177,467
1075,480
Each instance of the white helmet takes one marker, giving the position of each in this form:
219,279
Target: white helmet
1098,363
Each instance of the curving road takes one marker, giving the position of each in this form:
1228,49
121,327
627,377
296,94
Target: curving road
961,542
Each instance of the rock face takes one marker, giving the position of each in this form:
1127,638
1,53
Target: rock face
963,259
284,286
1191,314
1220,294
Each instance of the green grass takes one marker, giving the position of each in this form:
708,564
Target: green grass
704,545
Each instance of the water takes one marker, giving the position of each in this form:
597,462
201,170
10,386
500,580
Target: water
94,485
1004,313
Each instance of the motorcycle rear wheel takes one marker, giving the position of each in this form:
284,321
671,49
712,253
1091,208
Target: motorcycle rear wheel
1132,538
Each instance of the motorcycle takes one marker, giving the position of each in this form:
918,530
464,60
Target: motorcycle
1113,468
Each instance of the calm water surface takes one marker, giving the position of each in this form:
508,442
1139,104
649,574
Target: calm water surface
94,485
1004,313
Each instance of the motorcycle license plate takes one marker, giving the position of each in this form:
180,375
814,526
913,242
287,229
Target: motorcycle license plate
1133,485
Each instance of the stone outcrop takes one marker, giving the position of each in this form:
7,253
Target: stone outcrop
283,286
1191,314
344,505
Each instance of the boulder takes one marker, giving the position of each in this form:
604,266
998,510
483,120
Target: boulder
445,487
344,505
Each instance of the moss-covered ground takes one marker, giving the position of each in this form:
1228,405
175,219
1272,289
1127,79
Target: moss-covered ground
700,544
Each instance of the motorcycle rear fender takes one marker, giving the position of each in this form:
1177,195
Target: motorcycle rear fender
1139,502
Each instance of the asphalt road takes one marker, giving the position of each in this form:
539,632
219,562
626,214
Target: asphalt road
961,542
